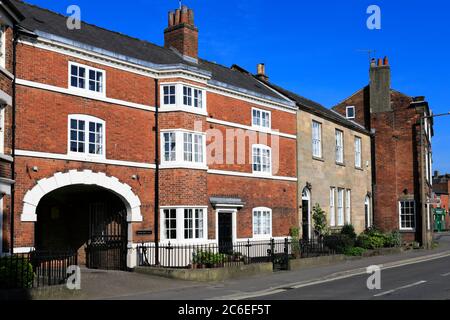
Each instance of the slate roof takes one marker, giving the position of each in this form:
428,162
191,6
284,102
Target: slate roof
318,109
45,21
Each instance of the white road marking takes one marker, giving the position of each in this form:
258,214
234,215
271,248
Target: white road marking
333,277
445,274
401,288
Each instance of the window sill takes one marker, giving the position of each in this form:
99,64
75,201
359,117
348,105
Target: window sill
87,93
262,129
359,168
77,156
341,164
262,175
183,166
318,159
407,230
176,108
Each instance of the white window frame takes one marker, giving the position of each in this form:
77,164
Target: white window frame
400,215
340,207
354,112
260,125
3,46
179,160
86,89
180,225
427,166
358,152
316,141
348,206
262,210
332,206
164,223
163,94
179,98
87,119
262,148
339,146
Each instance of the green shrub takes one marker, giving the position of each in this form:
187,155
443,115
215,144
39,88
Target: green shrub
371,241
349,230
355,251
338,242
208,258
295,234
16,272
393,239
320,220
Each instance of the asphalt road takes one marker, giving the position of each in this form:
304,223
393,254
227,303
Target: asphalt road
428,280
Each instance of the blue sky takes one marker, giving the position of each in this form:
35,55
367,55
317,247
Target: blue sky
310,47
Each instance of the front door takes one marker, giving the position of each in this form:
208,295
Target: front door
225,232
305,219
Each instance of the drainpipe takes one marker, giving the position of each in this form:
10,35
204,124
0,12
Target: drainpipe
13,136
156,217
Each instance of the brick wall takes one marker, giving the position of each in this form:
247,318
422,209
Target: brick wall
397,156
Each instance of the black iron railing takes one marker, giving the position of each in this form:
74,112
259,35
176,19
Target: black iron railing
35,269
213,255
316,246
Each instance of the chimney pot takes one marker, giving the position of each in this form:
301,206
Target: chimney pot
380,62
181,34
261,72
386,61
177,17
184,15
191,17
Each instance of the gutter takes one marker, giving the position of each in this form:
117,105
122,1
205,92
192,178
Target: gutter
13,136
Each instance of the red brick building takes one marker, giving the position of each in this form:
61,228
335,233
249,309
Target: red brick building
9,17
401,151
219,164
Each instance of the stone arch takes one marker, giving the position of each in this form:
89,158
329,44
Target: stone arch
85,177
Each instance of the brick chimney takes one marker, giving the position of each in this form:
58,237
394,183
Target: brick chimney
380,85
261,72
181,34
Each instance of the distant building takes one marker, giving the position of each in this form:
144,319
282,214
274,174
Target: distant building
441,188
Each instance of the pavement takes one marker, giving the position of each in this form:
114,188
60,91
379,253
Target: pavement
344,280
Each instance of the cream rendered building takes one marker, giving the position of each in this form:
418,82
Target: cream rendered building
334,167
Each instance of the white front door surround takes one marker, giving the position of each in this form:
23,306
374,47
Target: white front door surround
86,177
233,212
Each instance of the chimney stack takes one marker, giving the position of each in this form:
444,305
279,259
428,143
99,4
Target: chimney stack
181,33
261,72
380,85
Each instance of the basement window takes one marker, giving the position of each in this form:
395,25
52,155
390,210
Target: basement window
86,78
350,112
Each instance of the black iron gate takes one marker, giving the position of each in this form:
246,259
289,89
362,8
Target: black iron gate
279,254
107,245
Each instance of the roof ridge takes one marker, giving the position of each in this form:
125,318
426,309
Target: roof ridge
91,24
